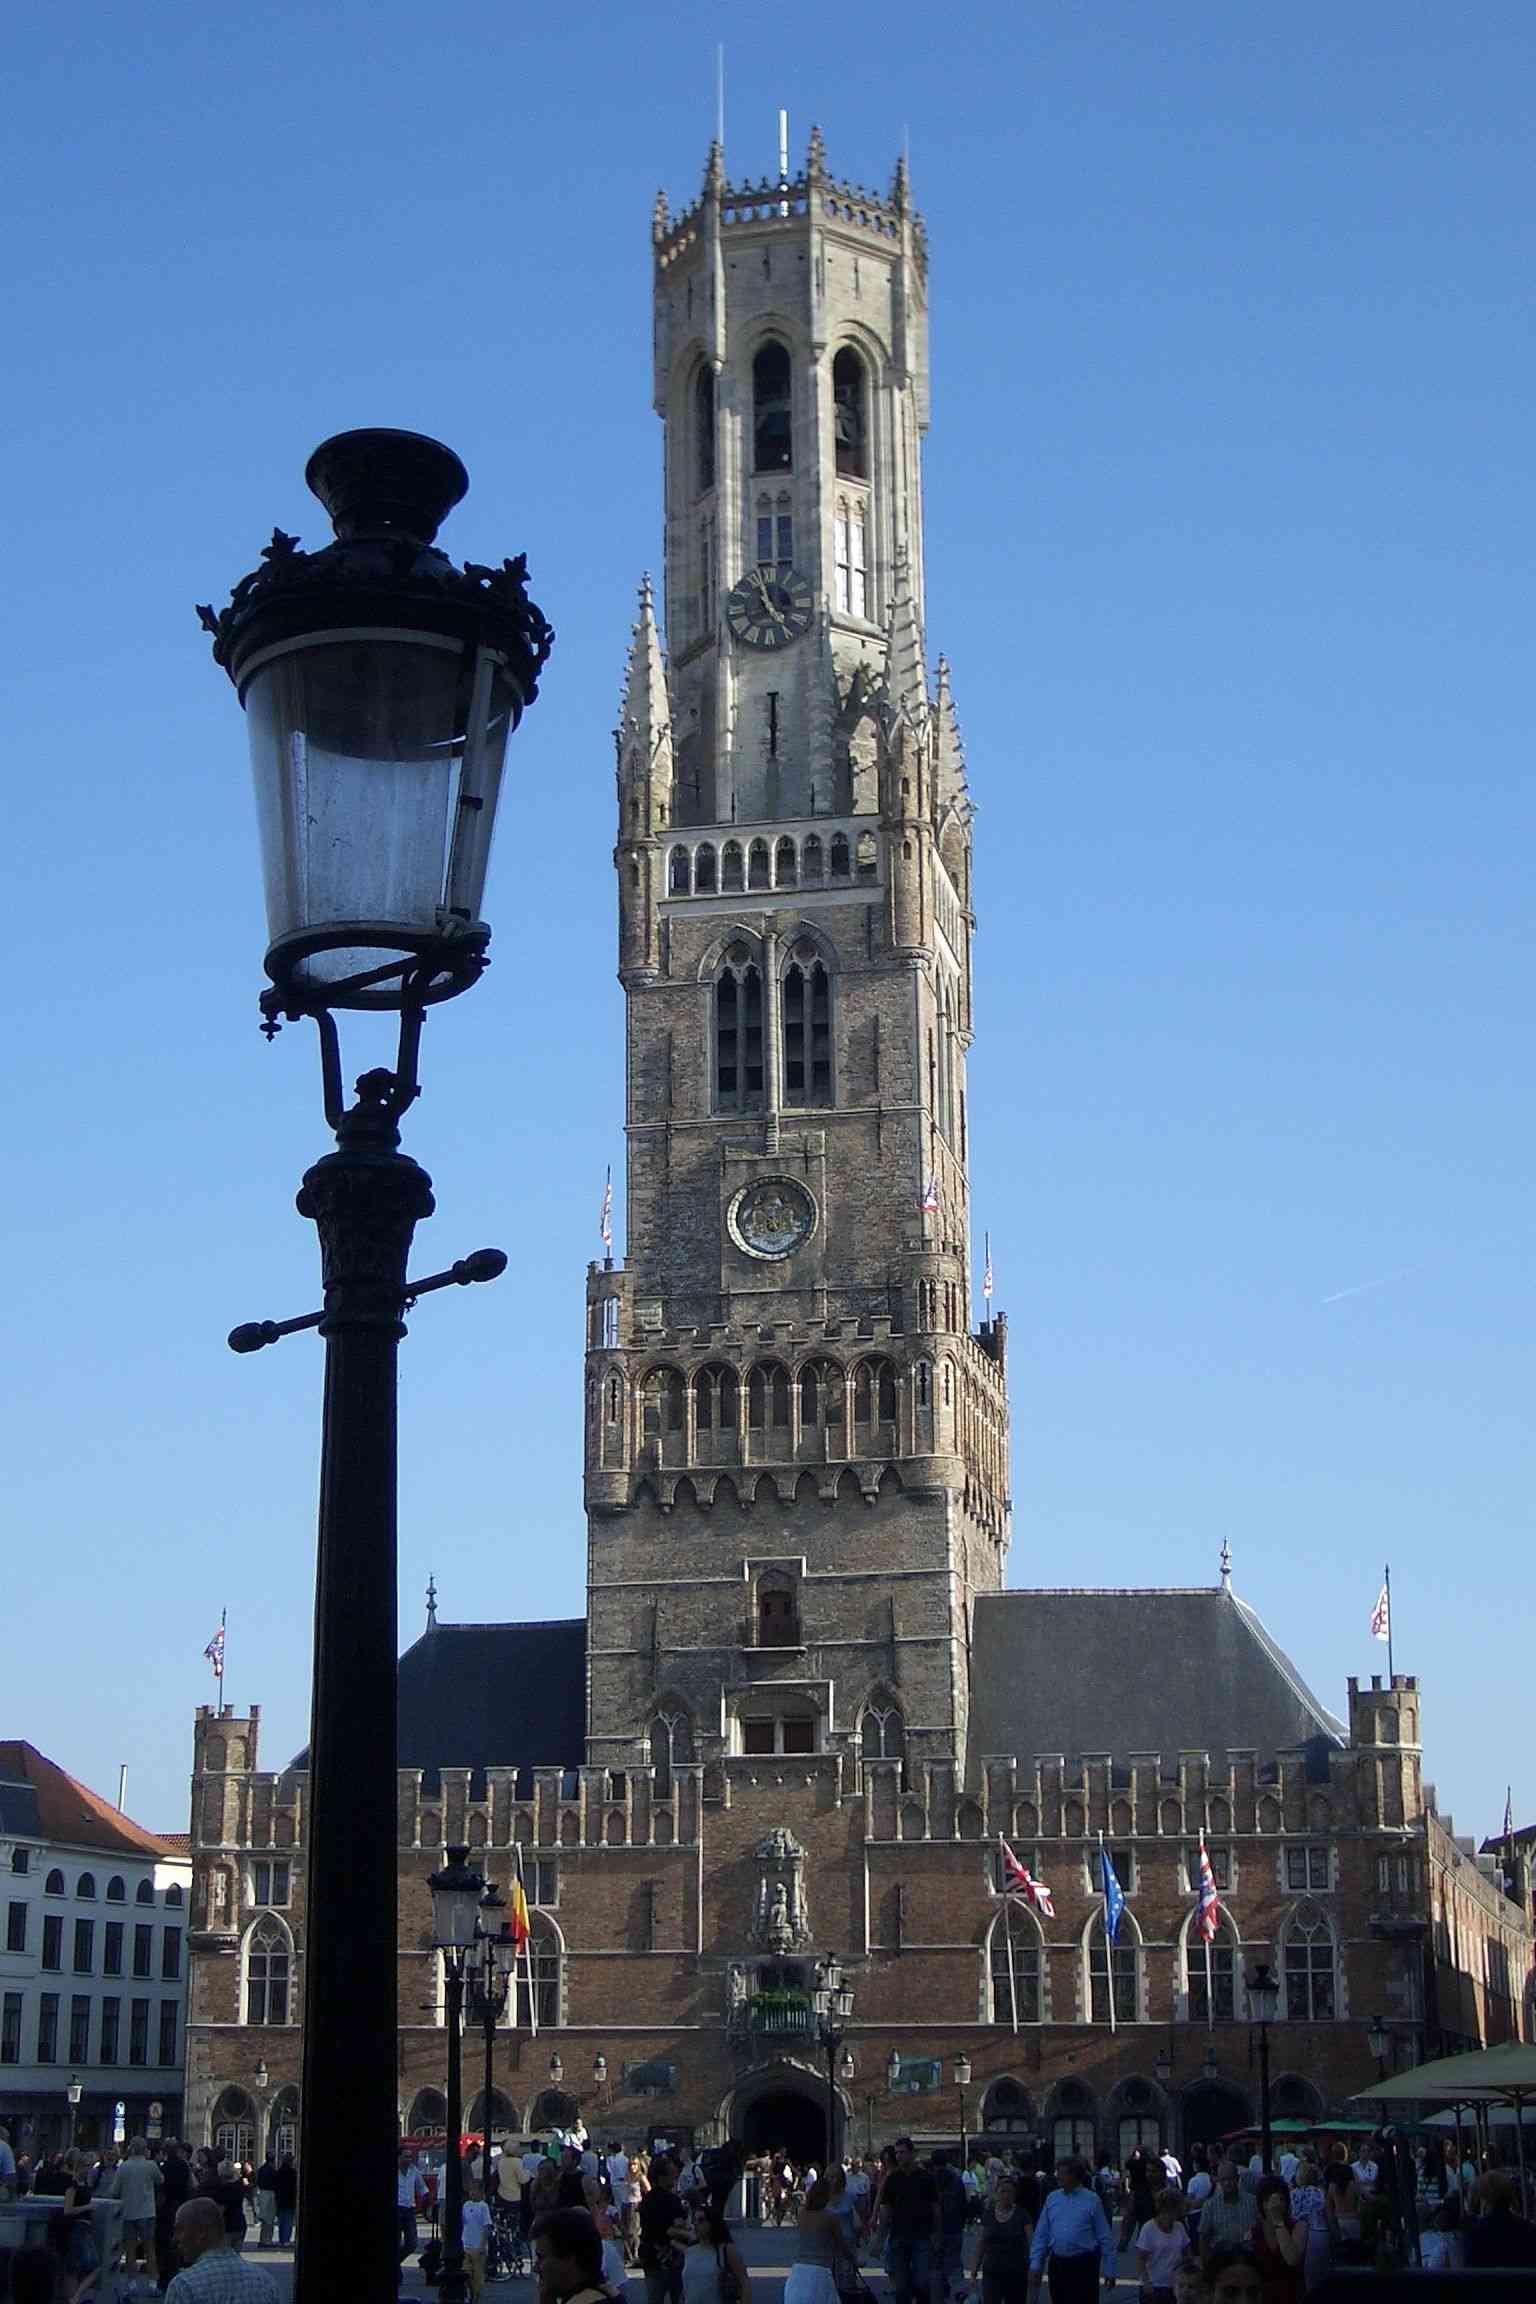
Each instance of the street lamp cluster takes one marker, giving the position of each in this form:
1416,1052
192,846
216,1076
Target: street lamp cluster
833,2003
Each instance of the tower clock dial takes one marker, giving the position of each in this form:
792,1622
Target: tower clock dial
770,607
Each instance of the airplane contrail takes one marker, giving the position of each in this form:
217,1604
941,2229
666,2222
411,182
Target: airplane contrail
1362,1288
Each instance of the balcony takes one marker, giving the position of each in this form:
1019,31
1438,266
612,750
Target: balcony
782,2015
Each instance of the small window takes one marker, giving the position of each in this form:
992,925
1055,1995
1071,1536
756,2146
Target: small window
704,871
54,1884
757,1735
167,2050
850,414
143,1951
810,858
679,873
170,1955
772,418
1307,1868
112,1948
53,1940
739,1033
731,875
138,2032
80,2028
10,2030
85,1888
786,870
840,858
1124,1862
16,1927
1221,1867
85,1947
807,1033
1309,1970
849,557
799,1735
117,1889
174,1894
21,1860
145,1892
704,429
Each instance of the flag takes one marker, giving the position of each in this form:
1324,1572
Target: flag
1509,1812
1381,1615
215,1652
517,1915
605,1220
1114,1895
1208,1910
1018,1880
986,1277
930,1201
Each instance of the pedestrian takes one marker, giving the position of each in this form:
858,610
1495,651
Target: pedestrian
135,2184
636,2187
215,2272
72,2229
1232,2277
954,2208
1072,2240
1341,2197
1440,2247
410,2195
568,2258
7,2166
475,2232
175,2187
225,2187
1309,2206
1498,2236
266,2202
1006,2232
909,2217
714,2271
1227,2217
1279,2243
817,2247
1161,2244
662,2234
285,2191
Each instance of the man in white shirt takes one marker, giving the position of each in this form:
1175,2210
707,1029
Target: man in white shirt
588,2162
1288,2166
618,2176
1173,2168
1197,2191
475,2224
1365,2170
410,2195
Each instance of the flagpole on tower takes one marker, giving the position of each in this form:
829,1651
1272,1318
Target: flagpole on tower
1387,1578
1109,1941
1013,1990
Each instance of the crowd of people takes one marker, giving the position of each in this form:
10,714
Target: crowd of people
152,2186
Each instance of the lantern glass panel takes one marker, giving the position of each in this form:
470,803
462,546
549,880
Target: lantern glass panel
364,753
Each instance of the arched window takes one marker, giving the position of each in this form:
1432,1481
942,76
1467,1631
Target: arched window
234,2125
807,1027
1014,1959
704,429
117,1889
730,867
283,2124
671,1747
883,1733
704,871
739,1030
428,2115
1122,1960
923,1389
874,1392
85,1887
840,863
174,1894
268,1968
772,420
715,1396
811,857
866,856
1311,1990
1006,2110
786,865
778,1615
661,1403
757,864
768,1397
850,558
823,1395
1071,2107
1221,1969
54,1884
679,879
850,414
145,1892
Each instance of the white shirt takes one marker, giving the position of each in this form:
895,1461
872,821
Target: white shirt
1365,2172
1288,2166
858,2183
411,2190
1173,2168
476,2224
618,2173
588,2162
1201,2185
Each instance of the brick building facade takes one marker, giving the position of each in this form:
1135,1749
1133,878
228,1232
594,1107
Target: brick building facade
802,1706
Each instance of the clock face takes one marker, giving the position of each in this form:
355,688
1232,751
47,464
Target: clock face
772,1218
770,606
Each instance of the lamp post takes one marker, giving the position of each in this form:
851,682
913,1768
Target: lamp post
892,2069
962,2072
1379,2040
834,2013
496,1954
455,1914
1263,1987
869,2127
380,683
72,2094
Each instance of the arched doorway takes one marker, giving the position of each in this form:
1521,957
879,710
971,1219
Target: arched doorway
786,2119
1211,2109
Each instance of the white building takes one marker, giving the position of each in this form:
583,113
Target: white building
93,1961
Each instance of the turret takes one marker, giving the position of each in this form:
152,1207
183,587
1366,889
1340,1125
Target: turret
643,740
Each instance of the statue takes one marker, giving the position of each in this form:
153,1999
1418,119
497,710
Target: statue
780,1919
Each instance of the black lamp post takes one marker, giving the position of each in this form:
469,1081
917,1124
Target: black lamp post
72,2096
834,2013
455,1915
380,683
1263,1988
962,2072
496,1953
1379,2041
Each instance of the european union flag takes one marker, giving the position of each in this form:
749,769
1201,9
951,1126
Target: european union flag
1114,1895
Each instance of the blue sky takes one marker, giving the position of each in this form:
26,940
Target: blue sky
1229,515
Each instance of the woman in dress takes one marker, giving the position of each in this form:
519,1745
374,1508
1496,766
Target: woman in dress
75,2228
1310,2207
1279,2242
1006,2232
713,2268
818,2245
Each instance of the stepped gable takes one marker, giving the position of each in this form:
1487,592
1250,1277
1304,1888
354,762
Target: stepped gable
483,1696
1123,1671
40,1800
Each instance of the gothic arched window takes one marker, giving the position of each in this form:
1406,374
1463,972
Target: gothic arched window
851,558
704,871
840,861
730,867
714,1402
757,864
1311,1994
882,1732
823,1395
85,1887
739,1030
768,1397
807,1029
810,857
671,1747
679,879
544,1959
234,2125
1122,1960
1222,1972
704,429
786,864
268,1964
850,414
772,421
661,1403
1013,1967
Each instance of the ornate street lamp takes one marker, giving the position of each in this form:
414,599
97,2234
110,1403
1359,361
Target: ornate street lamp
1379,2040
892,2069
556,2069
495,1958
380,683
962,2072
1263,1988
456,1892
73,2093
833,2001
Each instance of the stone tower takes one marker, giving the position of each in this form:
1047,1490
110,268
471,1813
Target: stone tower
796,1447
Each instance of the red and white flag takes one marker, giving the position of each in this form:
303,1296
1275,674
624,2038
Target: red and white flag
986,1277
605,1220
1018,1880
930,1200
1208,1910
1381,1615
214,1651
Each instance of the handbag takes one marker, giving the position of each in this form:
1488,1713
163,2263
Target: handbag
730,2286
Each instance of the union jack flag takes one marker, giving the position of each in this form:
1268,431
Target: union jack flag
1208,1909
1018,1880
930,1202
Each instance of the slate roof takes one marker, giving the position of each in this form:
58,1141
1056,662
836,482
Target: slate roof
41,1801
492,1695
1160,1670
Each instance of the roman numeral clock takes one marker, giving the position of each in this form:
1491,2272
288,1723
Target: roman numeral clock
770,606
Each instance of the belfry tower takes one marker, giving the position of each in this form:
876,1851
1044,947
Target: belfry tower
796,1446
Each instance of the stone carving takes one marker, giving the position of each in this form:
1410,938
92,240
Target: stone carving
781,1919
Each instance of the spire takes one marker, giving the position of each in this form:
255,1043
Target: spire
906,675
816,156
1226,1565
645,716
714,169
661,217
950,788
431,1603
901,181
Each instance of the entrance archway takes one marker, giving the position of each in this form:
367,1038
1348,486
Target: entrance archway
1212,2109
786,2119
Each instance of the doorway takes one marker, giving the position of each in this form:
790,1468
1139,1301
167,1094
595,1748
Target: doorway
1211,2109
788,2120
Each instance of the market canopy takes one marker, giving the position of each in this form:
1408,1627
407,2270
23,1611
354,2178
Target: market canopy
1482,2075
